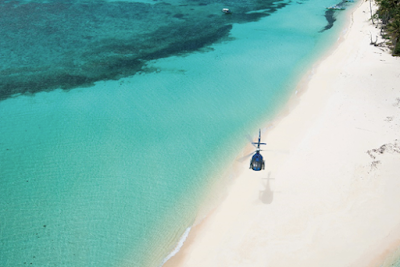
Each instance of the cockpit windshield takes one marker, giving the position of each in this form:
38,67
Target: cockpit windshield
257,165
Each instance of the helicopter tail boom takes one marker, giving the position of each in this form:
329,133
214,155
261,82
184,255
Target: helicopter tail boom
259,140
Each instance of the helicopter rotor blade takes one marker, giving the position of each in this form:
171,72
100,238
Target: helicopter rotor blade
245,157
277,151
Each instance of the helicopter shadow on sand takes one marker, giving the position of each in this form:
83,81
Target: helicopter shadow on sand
266,195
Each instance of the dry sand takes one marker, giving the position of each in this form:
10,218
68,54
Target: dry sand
334,198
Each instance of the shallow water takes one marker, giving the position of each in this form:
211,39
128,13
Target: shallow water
110,168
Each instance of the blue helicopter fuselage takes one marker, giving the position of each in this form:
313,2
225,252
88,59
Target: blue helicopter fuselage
257,162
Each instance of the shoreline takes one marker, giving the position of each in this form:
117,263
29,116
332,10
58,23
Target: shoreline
270,214
175,258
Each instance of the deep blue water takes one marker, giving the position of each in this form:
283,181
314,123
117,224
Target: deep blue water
117,117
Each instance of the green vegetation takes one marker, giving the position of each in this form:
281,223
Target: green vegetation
389,13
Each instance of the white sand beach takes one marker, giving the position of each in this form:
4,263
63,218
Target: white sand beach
333,199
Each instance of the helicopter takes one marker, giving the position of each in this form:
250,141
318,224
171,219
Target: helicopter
257,163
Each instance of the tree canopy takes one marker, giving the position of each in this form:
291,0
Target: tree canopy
389,13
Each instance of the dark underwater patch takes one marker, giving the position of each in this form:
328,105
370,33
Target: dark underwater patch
330,16
68,44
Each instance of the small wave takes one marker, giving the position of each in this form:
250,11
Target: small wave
178,246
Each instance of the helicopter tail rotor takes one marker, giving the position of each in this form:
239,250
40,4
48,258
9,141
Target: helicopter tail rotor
259,141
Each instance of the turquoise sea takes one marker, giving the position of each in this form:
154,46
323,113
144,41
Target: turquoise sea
118,117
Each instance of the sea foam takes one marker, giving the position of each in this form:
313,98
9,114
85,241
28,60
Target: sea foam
178,246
